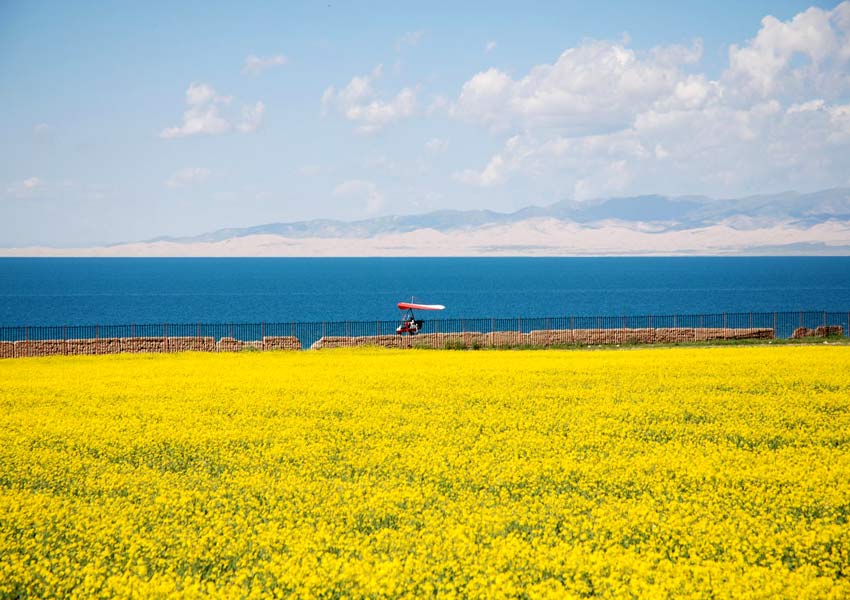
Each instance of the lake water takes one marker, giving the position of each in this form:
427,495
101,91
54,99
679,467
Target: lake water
154,290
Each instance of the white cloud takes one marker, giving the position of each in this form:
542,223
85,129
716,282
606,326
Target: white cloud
604,119
489,47
493,174
254,65
358,101
676,54
203,115
362,191
252,118
439,105
188,176
41,129
436,145
594,87
809,53
817,104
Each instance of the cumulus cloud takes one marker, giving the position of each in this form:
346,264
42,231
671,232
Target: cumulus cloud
203,116
605,119
255,65
594,87
809,53
358,101
188,176
365,192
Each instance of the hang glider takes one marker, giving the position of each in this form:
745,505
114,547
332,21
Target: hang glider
409,323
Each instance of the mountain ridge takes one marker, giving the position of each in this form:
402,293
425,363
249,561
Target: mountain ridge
672,213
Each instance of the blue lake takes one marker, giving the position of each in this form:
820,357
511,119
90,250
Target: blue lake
154,290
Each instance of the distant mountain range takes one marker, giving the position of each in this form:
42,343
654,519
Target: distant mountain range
681,212
785,223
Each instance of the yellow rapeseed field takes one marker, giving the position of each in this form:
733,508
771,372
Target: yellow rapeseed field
721,472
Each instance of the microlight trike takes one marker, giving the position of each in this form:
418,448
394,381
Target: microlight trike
409,323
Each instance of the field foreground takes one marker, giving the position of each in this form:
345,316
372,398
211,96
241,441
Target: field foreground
348,473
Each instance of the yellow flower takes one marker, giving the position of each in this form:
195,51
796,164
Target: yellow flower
376,473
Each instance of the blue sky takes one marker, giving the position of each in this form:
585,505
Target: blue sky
127,121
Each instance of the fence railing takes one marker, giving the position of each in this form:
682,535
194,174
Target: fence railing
473,332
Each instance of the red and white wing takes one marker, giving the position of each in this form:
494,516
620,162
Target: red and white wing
410,305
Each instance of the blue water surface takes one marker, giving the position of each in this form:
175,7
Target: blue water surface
56,291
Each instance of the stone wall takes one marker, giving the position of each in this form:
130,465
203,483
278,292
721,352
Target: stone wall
470,339
24,348
822,331
7,349
285,342
545,338
423,340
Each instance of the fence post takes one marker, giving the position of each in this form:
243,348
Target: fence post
65,340
824,322
774,324
801,318
165,335
27,335
263,330
751,320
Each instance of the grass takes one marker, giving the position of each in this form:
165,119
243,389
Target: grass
806,341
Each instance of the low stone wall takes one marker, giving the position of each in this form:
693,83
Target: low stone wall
72,346
546,338
286,342
470,339
170,344
423,340
229,344
822,331
7,349
24,348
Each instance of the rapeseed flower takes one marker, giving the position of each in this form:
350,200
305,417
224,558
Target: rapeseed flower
375,473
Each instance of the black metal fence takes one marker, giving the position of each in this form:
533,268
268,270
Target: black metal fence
476,332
